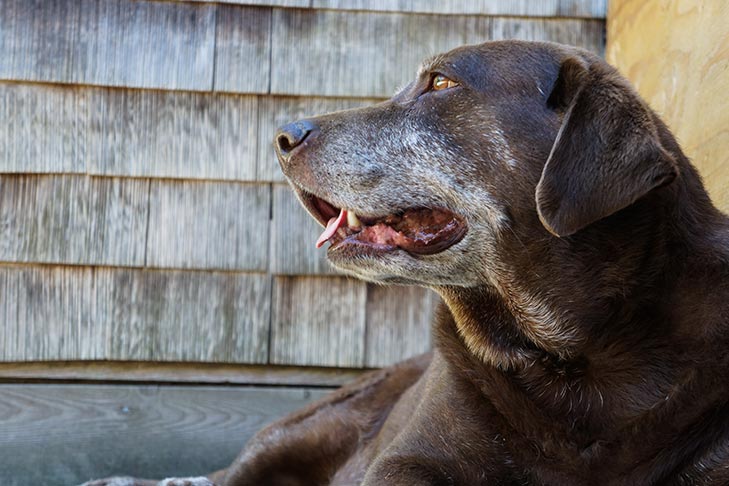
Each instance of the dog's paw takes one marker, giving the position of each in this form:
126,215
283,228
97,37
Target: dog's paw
200,481
120,481
127,481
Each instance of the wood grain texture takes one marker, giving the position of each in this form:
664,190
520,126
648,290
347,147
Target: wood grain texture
588,34
359,54
143,133
177,372
138,133
521,8
68,434
263,3
398,323
79,313
293,234
208,225
43,130
108,42
677,56
184,316
73,219
374,53
276,111
318,321
243,49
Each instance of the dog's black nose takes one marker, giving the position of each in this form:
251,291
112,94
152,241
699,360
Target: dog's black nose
290,136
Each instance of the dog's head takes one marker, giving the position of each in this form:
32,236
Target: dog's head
490,148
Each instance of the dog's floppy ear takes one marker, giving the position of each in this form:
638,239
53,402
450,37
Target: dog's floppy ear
607,153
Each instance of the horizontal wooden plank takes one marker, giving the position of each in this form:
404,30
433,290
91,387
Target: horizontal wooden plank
318,321
68,434
80,313
179,372
243,49
371,54
398,323
143,133
260,3
73,219
137,133
542,8
276,111
359,53
589,34
293,234
208,225
108,42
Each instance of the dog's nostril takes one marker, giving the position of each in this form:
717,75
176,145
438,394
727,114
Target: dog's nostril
292,135
285,144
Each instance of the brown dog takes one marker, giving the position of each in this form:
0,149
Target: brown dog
585,275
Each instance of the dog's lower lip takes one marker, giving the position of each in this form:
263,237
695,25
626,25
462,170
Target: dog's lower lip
418,231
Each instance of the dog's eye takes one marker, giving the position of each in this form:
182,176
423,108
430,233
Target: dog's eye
440,82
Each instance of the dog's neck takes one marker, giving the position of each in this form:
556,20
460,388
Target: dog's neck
642,322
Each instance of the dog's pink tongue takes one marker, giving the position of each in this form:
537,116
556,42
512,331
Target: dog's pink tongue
332,226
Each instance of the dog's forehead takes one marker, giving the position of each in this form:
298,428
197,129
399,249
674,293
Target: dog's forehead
496,60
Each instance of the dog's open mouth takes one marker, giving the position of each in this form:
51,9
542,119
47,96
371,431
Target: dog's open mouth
419,231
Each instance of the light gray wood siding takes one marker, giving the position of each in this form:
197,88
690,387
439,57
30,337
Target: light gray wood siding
243,49
132,133
398,323
108,42
73,219
521,8
67,434
44,129
208,225
182,135
318,321
67,313
377,52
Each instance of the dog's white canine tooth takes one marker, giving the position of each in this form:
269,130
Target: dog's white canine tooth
352,220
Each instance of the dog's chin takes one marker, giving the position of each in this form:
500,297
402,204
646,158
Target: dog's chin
398,267
373,265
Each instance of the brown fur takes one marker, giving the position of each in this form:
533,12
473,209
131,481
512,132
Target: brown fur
583,339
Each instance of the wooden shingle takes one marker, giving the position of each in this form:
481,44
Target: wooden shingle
44,129
542,8
208,225
78,313
184,316
145,44
359,54
318,321
72,219
589,34
143,133
374,53
398,323
137,133
243,49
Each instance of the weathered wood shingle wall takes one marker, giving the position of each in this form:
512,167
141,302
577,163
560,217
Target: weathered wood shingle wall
143,216
142,212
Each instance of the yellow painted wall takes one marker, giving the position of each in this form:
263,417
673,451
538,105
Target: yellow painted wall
676,53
